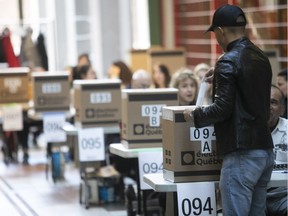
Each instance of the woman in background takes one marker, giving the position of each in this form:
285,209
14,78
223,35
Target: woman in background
120,70
161,76
84,72
83,59
187,84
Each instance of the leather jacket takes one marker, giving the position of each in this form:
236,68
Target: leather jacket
241,105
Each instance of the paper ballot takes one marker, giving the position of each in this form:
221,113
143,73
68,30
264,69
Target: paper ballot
201,94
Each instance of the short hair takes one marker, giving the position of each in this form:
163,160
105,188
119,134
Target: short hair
183,74
141,73
235,29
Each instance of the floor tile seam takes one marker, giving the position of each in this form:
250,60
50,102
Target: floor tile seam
15,199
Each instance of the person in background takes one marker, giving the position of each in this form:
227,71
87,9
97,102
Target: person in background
84,72
200,70
141,79
161,76
119,70
282,84
240,114
81,72
83,59
187,84
277,197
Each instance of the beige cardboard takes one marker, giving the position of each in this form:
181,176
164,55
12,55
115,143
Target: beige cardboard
51,91
183,160
97,102
14,85
145,59
141,115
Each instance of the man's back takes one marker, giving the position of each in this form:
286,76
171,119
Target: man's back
246,75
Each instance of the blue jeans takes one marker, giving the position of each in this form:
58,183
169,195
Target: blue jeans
243,182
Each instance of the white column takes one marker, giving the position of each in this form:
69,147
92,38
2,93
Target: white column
140,24
125,41
51,38
70,28
96,37
169,35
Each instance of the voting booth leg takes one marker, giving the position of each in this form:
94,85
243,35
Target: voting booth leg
56,161
139,197
171,204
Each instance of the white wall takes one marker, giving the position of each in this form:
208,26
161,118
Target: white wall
107,29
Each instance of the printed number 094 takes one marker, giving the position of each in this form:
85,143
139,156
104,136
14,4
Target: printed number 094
194,207
152,167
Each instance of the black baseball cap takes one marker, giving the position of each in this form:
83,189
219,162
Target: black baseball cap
228,15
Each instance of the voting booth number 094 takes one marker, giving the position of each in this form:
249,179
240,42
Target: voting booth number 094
196,198
153,112
149,162
206,135
52,126
91,144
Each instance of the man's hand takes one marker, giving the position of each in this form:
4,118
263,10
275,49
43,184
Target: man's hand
209,75
188,115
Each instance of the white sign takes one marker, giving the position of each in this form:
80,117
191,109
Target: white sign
12,117
205,135
100,97
154,112
52,126
91,144
196,198
51,88
12,84
149,162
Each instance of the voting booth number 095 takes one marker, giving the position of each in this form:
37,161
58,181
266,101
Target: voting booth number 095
206,135
153,112
196,198
91,144
149,162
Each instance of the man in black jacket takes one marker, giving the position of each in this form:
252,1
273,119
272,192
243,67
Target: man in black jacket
240,112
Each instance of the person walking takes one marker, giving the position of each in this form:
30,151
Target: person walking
240,111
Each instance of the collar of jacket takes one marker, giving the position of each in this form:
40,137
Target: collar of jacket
233,43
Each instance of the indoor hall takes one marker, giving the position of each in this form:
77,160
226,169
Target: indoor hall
55,46
26,191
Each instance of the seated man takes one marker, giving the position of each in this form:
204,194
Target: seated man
277,197
141,79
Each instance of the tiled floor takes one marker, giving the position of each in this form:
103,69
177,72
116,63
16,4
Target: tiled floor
25,191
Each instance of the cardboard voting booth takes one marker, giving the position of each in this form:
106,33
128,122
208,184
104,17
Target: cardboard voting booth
14,85
189,153
141,115
51,91
97,102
